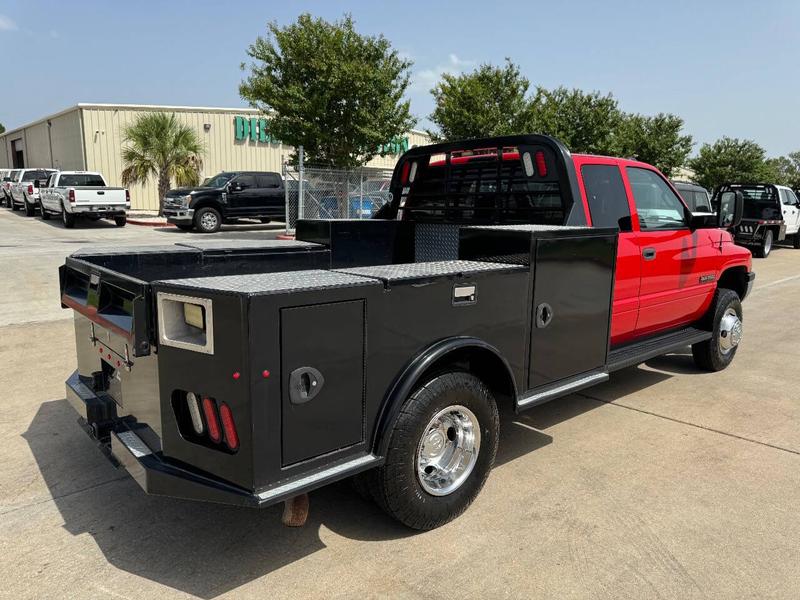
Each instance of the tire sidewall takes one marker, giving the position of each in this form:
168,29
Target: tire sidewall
726,299
767,248
198,223
433,396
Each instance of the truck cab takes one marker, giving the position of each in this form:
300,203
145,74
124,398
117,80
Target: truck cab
505,272
225,198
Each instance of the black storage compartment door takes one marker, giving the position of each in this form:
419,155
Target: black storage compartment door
322,377
573,283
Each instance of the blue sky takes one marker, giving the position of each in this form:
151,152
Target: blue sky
728,68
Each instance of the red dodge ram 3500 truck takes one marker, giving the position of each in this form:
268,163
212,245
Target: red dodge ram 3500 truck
504,271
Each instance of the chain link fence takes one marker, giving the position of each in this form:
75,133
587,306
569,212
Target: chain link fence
320,193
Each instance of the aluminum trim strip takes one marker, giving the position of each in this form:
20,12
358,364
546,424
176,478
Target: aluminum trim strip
318,476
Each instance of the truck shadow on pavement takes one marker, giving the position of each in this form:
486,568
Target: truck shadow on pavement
207,549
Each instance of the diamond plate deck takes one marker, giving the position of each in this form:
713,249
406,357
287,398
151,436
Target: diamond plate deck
272,283
427,269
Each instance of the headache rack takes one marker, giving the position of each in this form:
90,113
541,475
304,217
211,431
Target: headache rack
519,179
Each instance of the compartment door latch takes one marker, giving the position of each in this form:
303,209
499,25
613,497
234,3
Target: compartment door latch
544,314
304,384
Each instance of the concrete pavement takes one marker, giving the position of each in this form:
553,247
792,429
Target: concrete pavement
663,483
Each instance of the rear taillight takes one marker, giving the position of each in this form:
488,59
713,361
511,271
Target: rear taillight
541,164
127,196
210,411
231,437
30,189
404,172
71,195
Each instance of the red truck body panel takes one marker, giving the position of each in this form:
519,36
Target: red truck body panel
677,286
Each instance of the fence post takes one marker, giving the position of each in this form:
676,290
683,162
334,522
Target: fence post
287,207
300,196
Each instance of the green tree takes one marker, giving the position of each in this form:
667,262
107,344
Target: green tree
729,160
584,121
337,93
2,128
655,140
785,170
489,101
158,146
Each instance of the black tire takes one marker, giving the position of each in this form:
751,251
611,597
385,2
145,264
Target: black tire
763,250
13,204
67,219
43,213
120,221
207,220
265,220
711,355
796,241
396,486
184,227
30,209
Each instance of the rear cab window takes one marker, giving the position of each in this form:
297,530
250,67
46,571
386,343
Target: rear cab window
657,206
485,185
605,193
81,180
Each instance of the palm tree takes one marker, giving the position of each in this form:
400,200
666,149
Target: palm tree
161,147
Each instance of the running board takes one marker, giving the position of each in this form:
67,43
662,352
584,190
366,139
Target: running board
639,352
560,388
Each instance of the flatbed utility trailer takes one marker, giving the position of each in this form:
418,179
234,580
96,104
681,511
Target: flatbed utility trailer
252,372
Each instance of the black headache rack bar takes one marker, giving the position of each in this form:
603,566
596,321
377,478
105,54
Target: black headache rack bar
512,179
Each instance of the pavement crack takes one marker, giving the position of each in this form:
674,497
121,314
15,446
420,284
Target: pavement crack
67,495
690,424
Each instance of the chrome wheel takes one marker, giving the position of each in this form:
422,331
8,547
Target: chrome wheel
448,450
208,221
730,331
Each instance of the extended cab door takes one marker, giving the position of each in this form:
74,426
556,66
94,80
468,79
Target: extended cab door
609,207
272,198
678,265
791,211
242,195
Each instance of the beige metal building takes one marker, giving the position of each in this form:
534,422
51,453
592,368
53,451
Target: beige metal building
89,137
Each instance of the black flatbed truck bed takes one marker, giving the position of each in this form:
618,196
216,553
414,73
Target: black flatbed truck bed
249,373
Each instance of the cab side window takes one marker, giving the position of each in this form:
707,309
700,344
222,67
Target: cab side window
268,180
246,182
605,192
657,205
792,199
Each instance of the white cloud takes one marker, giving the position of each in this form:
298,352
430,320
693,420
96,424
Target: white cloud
425,79
7,24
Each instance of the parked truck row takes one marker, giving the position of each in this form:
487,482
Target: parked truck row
503,273
68,195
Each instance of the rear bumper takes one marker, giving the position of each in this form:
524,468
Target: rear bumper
102,211
124,442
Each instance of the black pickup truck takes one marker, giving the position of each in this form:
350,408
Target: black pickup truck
251,372
225,198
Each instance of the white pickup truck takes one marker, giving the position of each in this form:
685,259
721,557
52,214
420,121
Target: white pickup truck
73,194
24,189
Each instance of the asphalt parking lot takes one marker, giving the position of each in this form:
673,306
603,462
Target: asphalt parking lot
665,482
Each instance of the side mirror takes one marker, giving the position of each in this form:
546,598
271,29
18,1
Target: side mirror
731,207
703,220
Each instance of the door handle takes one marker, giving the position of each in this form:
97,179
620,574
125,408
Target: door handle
649,253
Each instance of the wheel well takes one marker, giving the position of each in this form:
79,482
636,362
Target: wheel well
484,364
209,204
734,278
